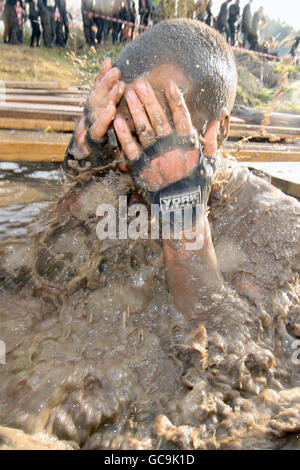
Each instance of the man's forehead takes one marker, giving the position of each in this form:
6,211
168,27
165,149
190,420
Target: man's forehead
160,75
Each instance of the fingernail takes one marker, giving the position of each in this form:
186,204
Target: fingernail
121,87
113,72
142,86
174,91
131,95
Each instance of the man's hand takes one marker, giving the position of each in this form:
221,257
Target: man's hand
151,122
102,105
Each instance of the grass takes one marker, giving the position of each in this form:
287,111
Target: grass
52,64
39,64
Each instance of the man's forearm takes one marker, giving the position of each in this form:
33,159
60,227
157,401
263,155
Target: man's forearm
193,275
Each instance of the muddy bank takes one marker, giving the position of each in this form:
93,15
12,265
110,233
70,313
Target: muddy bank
97,355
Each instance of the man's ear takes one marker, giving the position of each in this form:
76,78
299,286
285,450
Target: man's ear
210,144
224,127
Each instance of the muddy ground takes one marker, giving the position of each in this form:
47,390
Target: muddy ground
97,356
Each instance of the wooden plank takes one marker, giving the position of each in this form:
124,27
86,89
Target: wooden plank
267,156
31,85
236,120
32,152
39,111
65,91
39,137
38,107
39,124
256,116
41,99
246,130
263,152
288,187
32,146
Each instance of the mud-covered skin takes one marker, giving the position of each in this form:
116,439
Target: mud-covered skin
96,353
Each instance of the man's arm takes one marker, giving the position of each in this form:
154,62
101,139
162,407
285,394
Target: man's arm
193,274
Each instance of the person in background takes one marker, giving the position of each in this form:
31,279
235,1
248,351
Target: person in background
88,23
10,35
47,13
205,15
64,15
246,24
222,25
34,16
145,7
59,38
234,14
294,47
21,20
209,15
258,18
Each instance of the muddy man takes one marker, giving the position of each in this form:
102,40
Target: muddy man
169,97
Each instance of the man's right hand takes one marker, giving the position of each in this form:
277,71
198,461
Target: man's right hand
102,103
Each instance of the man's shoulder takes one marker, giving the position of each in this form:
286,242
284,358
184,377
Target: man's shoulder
259,225
246,189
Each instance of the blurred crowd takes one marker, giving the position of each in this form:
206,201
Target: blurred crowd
97,28
50,20
231,22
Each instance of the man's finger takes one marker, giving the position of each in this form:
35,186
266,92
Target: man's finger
128,143
114,97
123,164
180,113
106,66
141,122
157,116
80,135
104,86
101,126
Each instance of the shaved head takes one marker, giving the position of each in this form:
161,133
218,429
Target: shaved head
198,51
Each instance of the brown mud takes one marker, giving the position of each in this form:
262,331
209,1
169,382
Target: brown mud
97,356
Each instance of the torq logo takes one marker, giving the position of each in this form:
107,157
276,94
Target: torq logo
296,354
2,353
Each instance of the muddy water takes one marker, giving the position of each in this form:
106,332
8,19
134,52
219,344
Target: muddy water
98,358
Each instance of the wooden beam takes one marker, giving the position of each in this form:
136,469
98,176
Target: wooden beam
32,146
39,111
263,152
31,85
256,116
39,124
32,152
47,92
41,99
246,130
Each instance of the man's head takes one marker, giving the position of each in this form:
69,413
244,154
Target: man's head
192,54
